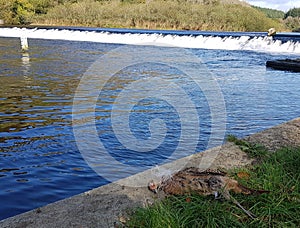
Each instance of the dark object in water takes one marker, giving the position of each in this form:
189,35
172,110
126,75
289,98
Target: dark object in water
285,64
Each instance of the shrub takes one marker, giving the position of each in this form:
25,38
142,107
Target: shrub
16,11
292,23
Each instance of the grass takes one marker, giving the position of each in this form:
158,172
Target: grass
253,150
277,172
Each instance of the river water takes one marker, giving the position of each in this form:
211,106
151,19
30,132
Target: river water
84,108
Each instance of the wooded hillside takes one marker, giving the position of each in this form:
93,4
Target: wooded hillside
221,15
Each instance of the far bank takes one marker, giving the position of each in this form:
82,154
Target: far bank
210,15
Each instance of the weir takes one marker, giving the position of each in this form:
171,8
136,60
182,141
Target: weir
252,41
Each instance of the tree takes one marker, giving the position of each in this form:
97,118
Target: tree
16,11
22,11
271,13
42,6
211,2
295,12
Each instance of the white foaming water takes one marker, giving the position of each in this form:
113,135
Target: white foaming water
261,44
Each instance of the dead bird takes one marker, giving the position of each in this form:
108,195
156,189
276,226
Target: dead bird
208,182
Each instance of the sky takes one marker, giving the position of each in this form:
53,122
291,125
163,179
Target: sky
283,5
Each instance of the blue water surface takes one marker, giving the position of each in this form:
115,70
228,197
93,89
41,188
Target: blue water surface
39,159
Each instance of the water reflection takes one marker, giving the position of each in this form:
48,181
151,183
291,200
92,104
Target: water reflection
39,161
26,65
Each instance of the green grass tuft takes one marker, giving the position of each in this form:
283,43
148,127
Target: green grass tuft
253,150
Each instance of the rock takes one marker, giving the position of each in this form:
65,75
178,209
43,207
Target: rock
285,64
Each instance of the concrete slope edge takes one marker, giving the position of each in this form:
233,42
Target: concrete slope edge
103,206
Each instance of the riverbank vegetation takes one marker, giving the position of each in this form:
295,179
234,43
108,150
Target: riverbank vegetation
290,19
271,13
160,15
221,15
277,173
